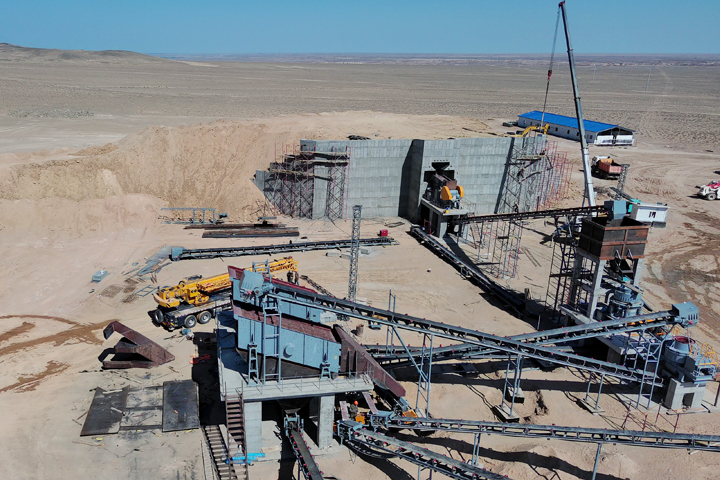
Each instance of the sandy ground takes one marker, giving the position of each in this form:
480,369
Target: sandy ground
92,149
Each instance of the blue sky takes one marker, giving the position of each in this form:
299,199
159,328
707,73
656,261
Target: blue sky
339,26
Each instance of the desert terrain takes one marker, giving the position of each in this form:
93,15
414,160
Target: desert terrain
94,144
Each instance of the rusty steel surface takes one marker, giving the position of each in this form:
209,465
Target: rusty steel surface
134,349
355,358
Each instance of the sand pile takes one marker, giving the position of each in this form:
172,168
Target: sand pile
204,165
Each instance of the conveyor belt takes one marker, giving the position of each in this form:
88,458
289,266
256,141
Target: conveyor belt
305,460
558,212
546,337
464,335
180,253
423,457
469,270
710,443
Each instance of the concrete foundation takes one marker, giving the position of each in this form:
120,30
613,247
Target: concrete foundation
688,394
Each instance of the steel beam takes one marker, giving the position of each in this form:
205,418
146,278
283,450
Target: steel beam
299,296
710,443
558,212
180,253
422,457
546,337
470,271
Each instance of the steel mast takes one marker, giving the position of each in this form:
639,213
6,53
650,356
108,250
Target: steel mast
589,190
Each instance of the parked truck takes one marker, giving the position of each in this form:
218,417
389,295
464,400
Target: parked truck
711,191
605,167
197,300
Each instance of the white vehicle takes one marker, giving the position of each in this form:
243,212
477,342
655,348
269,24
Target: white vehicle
709,191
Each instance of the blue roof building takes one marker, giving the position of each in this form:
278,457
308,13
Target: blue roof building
597,133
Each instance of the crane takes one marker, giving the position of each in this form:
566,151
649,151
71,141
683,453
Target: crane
589,189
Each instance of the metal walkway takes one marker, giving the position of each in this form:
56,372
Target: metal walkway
558,212
181,253
424,458
287,293
710,443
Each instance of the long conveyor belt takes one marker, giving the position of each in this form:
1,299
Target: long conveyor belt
635,438
558,212
423,457
546,337
470,271
510,346
180,253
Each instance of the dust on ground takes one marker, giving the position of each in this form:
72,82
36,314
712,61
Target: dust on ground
82,191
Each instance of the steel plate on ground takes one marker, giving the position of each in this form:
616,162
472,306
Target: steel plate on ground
106,412
180,406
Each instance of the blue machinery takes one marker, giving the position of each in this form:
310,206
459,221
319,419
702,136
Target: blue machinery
295,303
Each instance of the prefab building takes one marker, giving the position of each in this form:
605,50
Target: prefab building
603,134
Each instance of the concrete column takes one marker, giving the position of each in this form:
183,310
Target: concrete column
597,281
326,416
253,426
638,271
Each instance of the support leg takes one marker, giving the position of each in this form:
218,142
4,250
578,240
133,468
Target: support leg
325,421
597,460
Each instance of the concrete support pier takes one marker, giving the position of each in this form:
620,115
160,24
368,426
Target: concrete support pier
326,416
684,393
253,426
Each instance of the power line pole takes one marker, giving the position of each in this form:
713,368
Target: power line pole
354,252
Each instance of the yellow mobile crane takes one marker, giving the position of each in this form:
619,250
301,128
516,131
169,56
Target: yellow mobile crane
196,300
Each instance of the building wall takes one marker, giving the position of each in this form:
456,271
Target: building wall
559,130
387,177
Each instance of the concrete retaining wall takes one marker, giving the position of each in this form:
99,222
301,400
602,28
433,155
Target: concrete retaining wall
387,177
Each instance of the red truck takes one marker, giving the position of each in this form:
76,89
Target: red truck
605,167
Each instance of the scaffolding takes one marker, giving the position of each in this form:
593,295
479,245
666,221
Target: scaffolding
561,270
537,177
290,183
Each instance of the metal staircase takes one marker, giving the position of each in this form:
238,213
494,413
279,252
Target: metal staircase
219,453
235,418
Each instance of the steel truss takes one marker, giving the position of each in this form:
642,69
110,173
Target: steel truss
690,441
354,252
531,181
656,320
561,269
422,457
205,253
557,212
441,330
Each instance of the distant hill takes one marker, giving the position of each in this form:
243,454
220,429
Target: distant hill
16,53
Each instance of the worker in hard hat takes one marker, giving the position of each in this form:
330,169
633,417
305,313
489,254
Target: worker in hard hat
353,409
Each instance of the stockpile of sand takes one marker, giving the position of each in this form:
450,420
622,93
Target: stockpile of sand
205,165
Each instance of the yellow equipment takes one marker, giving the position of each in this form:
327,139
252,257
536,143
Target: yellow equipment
534,128
197,291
